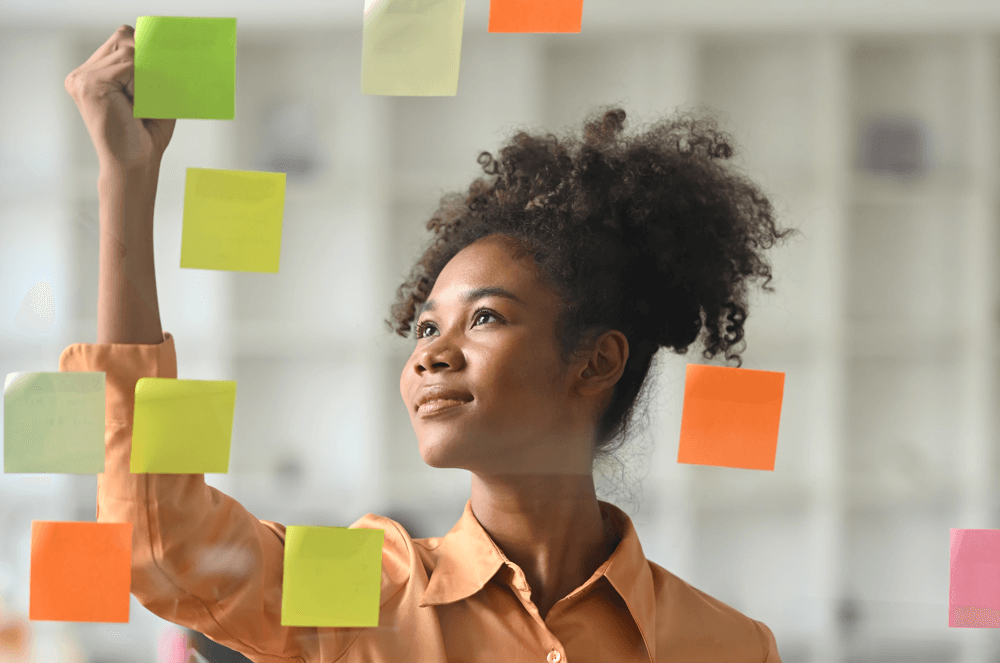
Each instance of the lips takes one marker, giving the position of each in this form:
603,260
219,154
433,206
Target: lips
433,407
438,396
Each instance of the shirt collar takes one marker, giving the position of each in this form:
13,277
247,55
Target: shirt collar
468,558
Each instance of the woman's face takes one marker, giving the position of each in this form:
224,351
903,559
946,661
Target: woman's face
517,414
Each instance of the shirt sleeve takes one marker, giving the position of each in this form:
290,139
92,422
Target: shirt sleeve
770,646
199,559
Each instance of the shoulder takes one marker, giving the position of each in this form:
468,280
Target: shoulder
696,626
401,561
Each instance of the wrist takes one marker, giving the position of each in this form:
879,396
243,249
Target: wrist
114,176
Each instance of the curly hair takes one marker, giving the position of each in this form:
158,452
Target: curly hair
650,235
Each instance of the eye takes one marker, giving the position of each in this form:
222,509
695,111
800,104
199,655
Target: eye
424,326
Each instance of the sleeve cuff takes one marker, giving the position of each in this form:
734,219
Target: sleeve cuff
123,364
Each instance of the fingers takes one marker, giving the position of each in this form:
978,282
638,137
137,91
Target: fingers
115,71
124,34
124,37
120,70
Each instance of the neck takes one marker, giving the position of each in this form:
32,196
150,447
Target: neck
548,525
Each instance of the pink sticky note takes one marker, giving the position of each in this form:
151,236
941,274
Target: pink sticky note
974,593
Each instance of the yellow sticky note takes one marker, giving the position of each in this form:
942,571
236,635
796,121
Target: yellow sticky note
54,422
182,426
232,220
332,576
412,47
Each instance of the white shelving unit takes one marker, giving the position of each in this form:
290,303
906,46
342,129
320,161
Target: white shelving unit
884,317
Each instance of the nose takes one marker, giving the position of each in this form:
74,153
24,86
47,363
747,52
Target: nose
437,355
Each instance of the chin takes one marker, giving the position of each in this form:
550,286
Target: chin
437,453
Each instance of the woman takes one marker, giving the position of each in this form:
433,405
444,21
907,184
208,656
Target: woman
539,305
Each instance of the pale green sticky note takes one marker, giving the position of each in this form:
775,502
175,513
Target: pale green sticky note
53,423
332,576
185,68
182,426
232,220
412,47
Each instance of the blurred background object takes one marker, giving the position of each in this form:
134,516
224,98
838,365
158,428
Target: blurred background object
895,146
873,126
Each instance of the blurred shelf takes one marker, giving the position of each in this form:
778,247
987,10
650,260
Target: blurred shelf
780,497
339,182
896,645
942,185
297,16
290,338
427,186
889,339
867,492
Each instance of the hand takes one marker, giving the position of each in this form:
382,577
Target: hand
103,88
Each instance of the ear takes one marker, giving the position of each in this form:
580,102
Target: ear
605,363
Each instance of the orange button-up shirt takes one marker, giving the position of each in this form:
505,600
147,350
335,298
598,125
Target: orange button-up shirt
200,560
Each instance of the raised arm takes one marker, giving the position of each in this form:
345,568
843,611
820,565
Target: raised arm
129,152
199,559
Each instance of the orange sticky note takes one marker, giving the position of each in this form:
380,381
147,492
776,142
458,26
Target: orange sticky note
730,417
80,572
535,15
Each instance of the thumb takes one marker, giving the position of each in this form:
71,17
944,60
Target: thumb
161,130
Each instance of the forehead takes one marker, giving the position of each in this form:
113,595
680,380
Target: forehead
489,261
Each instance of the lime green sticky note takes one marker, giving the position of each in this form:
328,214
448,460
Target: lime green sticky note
232,220
185,68
412,47
53,423
182,426
332,576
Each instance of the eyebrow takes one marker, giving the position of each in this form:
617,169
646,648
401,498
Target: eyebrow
473,295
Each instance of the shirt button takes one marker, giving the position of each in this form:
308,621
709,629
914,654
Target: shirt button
554,656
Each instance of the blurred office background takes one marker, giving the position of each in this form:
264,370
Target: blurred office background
875,130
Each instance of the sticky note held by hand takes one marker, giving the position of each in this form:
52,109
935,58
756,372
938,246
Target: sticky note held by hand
535,15
80,572
232,220
730,417
332,576
54,423
185,68
182,426
973,596
411,47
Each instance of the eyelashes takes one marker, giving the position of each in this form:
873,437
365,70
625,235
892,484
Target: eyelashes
423,326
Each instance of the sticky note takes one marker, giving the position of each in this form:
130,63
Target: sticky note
182,426
730,417
535,15
80,572
185,68
974,587
232,220
332,576
411,47
53,423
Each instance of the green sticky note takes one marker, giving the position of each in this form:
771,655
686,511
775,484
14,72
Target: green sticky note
182,426
185,68
232,220
332,576
53,423
412,47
